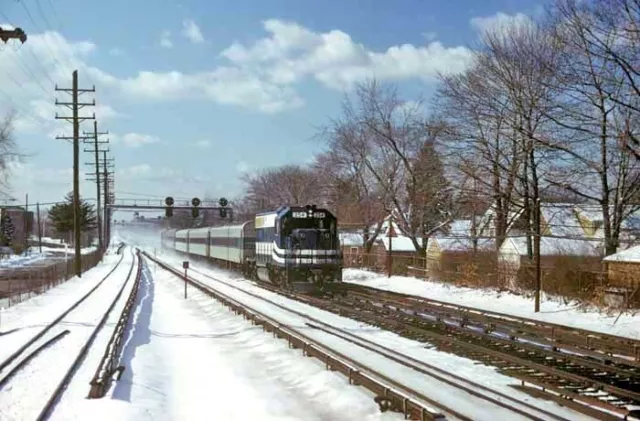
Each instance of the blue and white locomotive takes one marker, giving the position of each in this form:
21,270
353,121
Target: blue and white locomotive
293,247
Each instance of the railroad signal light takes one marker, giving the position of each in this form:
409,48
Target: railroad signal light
195,212
168,212
223,213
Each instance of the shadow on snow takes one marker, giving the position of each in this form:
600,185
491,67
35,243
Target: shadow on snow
137,336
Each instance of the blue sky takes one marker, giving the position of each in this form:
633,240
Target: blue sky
196,92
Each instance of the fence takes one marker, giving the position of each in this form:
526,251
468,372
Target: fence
582,278
17,285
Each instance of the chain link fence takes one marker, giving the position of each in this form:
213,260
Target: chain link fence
19,284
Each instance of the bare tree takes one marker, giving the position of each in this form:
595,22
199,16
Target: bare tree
593,114
349,186
382,137
479,142
8,150
286,185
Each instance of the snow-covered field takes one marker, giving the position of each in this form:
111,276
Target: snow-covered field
552,311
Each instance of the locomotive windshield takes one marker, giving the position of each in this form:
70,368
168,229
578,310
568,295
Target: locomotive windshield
303,232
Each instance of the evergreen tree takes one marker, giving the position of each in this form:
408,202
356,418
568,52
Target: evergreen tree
6,230
61,216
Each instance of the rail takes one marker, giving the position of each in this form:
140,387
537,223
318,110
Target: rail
390,394
57,320
410,324
107,366
562,334
422,367
35,279
62,385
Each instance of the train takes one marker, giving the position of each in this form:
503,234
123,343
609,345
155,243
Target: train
294,248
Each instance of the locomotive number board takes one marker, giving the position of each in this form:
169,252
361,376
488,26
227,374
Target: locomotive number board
318,215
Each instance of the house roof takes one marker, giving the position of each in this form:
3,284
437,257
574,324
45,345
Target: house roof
562,220
463,244
400,243
351,239
551,246
630,255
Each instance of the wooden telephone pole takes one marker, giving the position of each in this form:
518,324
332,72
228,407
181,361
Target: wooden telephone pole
74,105
96,152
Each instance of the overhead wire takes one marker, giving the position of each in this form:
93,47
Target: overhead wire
60,30
19,60
44,39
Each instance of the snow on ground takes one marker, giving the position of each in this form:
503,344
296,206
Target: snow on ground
195,360
26,393
508,303
21,321
463,402
17,260
34,256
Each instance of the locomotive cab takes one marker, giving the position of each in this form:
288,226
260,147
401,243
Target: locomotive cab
307,249
308,229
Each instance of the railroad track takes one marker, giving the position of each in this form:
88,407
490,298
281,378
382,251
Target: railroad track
516,409
570,372
39,394
611,347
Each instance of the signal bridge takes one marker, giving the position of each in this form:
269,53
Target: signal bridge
169,205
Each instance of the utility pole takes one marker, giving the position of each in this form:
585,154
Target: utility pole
39,228
17,33
104,181
107,197
96,153
75,119
26,223
536,251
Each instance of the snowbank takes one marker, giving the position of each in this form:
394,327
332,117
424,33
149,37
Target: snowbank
503,302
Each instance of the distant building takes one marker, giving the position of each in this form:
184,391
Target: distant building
21,224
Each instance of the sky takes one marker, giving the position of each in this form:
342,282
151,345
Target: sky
196,93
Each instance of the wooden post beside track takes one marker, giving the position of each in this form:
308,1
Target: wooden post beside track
185,265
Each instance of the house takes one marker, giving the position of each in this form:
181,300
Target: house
395,243
448,257
557,255
623,272
16,226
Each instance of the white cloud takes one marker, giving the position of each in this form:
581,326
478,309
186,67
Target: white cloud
242,167
203,144
115,52
292,52
498,21
430,36
262,75
165,40
133,140
134,171
192,32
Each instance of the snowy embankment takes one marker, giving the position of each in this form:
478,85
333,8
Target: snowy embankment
502,302
449,396
25,318
28,391
33,256
195,360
